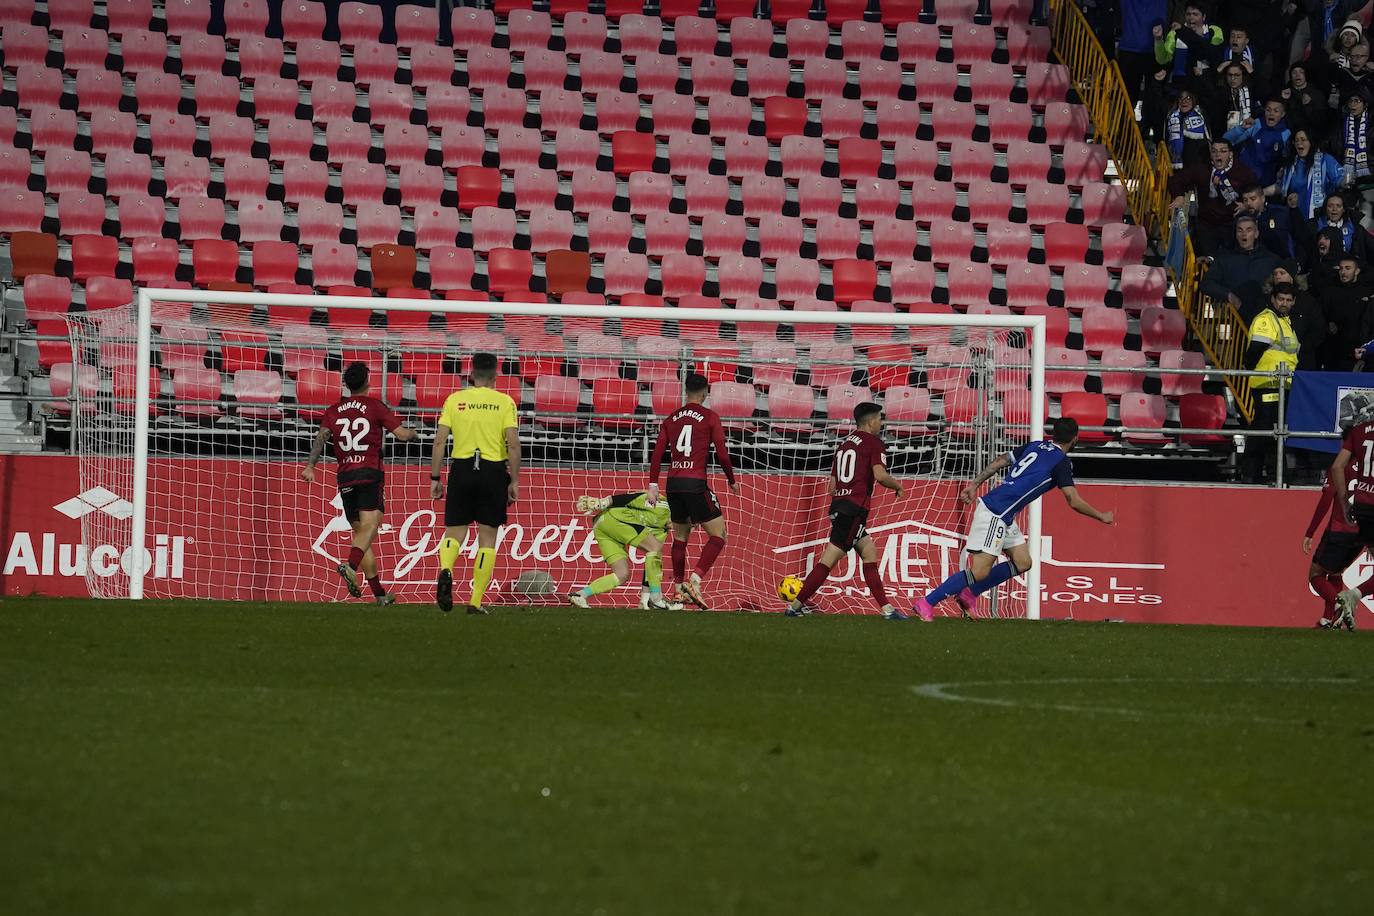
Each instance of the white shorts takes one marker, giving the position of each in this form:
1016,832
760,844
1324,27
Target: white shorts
989,534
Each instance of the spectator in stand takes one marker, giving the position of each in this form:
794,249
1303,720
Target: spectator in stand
1188,137
1334,56
1357,132
1323,270
1307,317
1191,49
1315,30
1308,179
1135,53
1275,235
1218,194
1353,238
1238,49
1273,347
1347,309
1235,98
1238,273
1263,143
1356,76
1308,106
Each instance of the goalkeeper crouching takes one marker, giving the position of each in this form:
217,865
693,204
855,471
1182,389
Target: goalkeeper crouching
624,521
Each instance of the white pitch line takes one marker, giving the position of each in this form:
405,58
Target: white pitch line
945,691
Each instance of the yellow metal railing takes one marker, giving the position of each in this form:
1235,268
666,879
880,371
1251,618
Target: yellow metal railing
1098,82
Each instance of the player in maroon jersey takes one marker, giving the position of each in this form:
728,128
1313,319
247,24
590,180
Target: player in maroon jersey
687,436
1339,547
860,462
357,424
1352,485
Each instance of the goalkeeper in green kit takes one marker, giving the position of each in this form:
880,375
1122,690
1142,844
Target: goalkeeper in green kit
624,521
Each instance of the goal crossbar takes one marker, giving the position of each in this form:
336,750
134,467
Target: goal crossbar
1033,325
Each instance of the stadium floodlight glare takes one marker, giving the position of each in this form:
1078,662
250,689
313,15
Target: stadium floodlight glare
222,471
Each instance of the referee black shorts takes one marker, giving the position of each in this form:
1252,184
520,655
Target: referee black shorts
476,494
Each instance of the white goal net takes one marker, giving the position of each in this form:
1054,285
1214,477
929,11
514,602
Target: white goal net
205,459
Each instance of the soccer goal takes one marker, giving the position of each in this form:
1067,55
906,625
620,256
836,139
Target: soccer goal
201,407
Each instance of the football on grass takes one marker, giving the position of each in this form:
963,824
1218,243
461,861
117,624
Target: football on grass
789,588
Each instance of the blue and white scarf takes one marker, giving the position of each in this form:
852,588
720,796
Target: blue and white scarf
1183,126
1247,55
1241,103
1357,144
1221,186
1346,226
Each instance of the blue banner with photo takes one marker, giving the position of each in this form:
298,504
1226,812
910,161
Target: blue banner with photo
1325,402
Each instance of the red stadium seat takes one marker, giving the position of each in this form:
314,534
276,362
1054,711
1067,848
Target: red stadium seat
1162,329
198,393
509,271
632,152
46,297
1089,410
1174,386
92,256
1203,411
614,402
155,260
1056,323
853,280
215,260
556,401
478,187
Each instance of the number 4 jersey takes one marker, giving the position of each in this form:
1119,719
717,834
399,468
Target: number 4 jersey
1036,467
685,440
356,427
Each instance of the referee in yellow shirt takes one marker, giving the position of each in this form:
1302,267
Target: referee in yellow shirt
482,479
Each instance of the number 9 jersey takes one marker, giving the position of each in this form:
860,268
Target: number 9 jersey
357,426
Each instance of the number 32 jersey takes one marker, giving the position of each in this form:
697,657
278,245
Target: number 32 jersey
357,426
1359,442
1036,468
852,472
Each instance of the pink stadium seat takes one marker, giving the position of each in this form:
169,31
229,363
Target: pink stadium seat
258,393
155,260
405,144
1008,243
790,407
649,192
911,281
98,91
1103,204
289,139
692,34
1046,83
535,189
377,224
529,29
260,220
202,54
721,233
124,15
1174,386
1118,383
390,103
273,97
712,76
447,105
831,363
779,236
556,400
450,268
416,25
577,150
66,170
935,81
973,43
1142,286
807,39
38,87
142,50
837,238
738,276
198,217
889,366
600,72
1145,412
766,76
818,197
607,229
796,277
113,134
333,264
682,274
664,232
94,256
946,368
471,26
968,282
673,116
932,201
302,20
1046,203
544,70
1027,285
749,37
52,128
46,297
20,210
305,179
657,359
374,62
319,222
600,356
640,34
898,121
462,145
971,162
1009,124
1084,163
1085,287
734,401
1203,411
215,95
915,42
657,74
840,401
871,332
1123,244
616,111
82,47
625,272
231,137
27,45
431,67
1065,370
347,142
825,78
951,244
492,227
1103,329
260,56
1162,329
690,154
79,213
87,383
172,134
893,239
989,203
842,117
728,116
881,79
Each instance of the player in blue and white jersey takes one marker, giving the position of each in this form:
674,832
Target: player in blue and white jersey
1036,468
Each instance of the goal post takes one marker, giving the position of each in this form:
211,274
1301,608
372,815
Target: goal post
216,483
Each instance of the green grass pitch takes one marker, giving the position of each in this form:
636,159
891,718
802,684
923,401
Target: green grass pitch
214,758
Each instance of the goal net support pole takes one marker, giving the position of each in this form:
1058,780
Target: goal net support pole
1033,327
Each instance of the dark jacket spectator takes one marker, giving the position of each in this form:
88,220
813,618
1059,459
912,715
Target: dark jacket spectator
1308,106
1323,273
1346,306
1217,187
1238,274
1275,234
1309,322
1356,76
